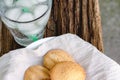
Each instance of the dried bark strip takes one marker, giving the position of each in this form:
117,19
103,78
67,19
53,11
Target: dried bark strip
98,24
63,12
71,16
85,20
77,15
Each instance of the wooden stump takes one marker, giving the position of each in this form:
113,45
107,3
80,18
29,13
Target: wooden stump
81,17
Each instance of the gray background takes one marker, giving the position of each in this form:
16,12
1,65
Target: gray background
110,12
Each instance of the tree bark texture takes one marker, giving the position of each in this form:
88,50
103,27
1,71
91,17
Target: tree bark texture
81,17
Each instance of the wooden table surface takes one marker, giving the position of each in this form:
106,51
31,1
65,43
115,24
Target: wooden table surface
80,17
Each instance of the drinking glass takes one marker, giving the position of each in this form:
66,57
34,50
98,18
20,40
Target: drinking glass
26,19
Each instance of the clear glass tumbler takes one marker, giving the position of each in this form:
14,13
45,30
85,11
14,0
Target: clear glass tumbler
26,19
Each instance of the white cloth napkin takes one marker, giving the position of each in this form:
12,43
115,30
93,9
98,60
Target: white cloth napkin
96,64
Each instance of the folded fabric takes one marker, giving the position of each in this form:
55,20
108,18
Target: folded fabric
96,64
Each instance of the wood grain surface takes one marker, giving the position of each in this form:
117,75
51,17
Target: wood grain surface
81,17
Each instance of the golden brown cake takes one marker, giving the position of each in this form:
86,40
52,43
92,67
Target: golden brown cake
36,73
54,56
67,71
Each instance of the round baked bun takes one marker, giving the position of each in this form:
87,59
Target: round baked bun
36,73
67,71
54,56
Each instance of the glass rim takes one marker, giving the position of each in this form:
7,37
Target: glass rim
27,21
